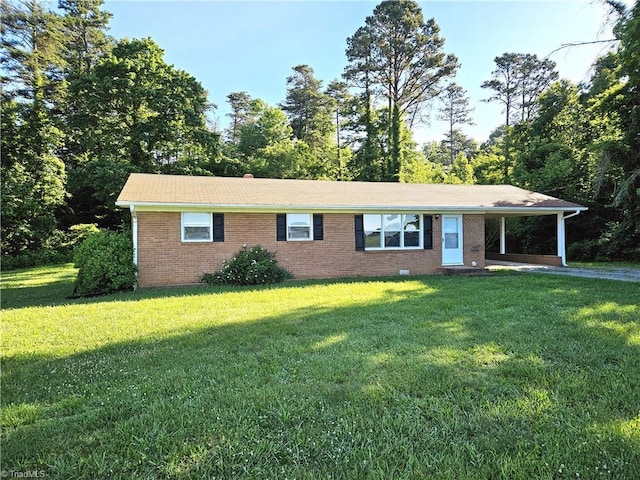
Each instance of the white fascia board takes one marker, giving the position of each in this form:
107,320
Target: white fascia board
180,207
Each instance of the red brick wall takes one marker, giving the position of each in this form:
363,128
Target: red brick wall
473,237
163,259
552,260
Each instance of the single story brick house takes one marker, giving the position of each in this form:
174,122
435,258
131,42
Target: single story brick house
184,226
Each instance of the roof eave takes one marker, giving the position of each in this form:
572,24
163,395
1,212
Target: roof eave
231,208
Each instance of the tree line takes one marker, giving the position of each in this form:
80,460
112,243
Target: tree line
82,110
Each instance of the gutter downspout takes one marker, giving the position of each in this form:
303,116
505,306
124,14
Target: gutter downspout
562,250
134,232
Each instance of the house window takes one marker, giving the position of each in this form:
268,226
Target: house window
196,227
299,227
392,231
202,227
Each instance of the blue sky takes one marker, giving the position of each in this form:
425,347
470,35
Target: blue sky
253,46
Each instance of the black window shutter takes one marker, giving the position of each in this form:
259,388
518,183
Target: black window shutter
218,227
317,226
427,225
281,227
359,224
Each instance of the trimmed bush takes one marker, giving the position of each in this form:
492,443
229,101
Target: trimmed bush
251,266
105,264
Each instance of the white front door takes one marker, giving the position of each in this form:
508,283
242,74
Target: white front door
452,240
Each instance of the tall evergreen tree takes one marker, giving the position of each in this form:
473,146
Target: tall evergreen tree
339,99
517,81
33,177
407,65
85,35
368,160
242,112
454,110
307,107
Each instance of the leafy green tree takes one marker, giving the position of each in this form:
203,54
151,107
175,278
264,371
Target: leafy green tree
534,77
268,127
85,44
139,108
461,171
616,107
135,113
417,169
368,159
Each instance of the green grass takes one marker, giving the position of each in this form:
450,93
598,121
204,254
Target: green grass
510,377
606,265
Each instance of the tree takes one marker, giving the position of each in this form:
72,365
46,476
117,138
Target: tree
339,98
31,60
359,73
461,171
242,112
33,177
504,83
306,107
85,44
454,110
139,108
617,110
420,170
517,81
404,62
269,126
84,26
135,113
534,77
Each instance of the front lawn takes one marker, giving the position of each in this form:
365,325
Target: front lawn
517,376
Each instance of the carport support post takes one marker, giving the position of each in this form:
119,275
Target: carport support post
561,239
503,236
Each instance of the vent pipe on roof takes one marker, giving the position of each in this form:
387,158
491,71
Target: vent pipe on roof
247,175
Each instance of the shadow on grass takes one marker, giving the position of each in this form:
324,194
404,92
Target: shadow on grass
413,385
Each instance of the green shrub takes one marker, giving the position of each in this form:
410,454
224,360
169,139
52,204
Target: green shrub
58,248
35,258
250,266
105,264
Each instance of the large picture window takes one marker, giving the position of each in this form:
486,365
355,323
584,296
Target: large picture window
392,230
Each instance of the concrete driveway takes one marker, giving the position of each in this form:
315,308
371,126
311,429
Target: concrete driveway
622,274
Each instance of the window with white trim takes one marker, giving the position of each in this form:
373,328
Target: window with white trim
197,227
392,231
299,226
